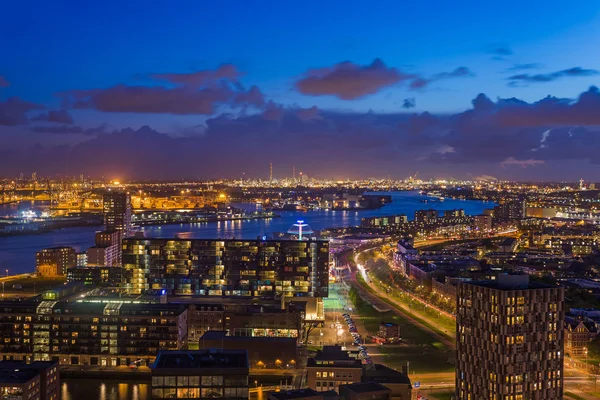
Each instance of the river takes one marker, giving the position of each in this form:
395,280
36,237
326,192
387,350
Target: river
17,253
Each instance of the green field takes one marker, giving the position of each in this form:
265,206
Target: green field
32,285
423,351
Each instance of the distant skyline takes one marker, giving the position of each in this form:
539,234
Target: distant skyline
337,89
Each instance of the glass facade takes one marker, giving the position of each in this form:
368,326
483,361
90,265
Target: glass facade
227,267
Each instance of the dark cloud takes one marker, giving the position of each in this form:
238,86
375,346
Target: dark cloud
59,117
160,100
524,67
3,82
228,72
69,130
565,73
501,138
459,72
349,81
200,93
409,103
13,111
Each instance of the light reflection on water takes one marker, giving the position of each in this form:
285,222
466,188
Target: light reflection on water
17,253
92,389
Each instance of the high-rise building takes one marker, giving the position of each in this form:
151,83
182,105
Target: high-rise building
227,268
510,211
107,251
117,212
509,340
55,261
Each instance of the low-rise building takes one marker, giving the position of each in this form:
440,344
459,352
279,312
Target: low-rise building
36,381
330,368
55,261
389,332
200,374
297,394
263,352
398,382
365,391
578,335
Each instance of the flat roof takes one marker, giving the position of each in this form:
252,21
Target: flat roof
381,374
294,394
208,358
364,387
15,372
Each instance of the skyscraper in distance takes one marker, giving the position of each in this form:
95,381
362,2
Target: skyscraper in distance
509,340
117,212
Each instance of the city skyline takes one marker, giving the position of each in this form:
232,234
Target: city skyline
202,92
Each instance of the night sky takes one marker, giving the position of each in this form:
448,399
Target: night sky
338,89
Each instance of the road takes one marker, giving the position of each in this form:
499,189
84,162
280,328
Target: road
407,313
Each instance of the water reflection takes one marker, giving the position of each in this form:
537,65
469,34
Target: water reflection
17,253
92,389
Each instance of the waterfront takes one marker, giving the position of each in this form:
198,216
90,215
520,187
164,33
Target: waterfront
17,253
92,389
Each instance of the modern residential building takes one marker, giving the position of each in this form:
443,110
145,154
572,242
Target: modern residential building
426,216
332,367
510,339
228,268
482,223
35,381
116,207
55,261
107,250
200,374
96,276
82,333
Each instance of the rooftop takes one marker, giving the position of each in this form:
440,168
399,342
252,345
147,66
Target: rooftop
208,358
511,282
16,372
294,394
381,374
364,387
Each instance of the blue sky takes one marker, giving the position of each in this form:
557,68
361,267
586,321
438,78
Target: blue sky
50,48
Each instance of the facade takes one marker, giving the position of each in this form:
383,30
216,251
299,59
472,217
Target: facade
245,320
389,331
426,216
104,334
36,381
116,207
96,276
200,374
482,223
263,352
330,368
509,340
107,250
55,261
228,268
578,335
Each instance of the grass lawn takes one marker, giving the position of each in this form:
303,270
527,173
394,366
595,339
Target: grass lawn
424,353
570,395
441,396
41,284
